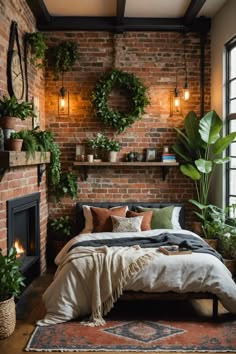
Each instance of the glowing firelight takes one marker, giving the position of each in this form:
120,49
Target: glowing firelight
19,249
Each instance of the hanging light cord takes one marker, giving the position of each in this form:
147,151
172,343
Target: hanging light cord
62,89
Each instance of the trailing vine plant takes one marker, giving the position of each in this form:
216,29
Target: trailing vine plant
38,48
59,183
139,99
65,56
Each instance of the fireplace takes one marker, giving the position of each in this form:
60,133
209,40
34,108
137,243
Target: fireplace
23,232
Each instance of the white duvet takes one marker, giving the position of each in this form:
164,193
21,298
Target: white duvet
69,295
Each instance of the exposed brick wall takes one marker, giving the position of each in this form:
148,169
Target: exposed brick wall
154,58
21,181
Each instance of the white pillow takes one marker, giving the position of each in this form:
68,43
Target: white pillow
175,218
88,228
121,224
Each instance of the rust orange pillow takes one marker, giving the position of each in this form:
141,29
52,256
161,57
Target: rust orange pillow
147,217
101,218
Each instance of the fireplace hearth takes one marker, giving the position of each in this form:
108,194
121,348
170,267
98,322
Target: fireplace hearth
23,232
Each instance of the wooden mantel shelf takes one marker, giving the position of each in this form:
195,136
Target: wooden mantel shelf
163,165
13,159
10,159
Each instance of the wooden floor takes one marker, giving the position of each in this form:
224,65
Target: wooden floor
30,309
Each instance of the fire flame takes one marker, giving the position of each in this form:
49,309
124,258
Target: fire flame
19,249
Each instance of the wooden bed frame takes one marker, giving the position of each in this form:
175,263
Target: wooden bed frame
133,295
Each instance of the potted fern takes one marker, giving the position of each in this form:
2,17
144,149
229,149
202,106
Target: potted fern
11,283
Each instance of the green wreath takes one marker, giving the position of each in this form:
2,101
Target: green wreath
138,94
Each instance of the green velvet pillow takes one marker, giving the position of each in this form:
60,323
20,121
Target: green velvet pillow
161,218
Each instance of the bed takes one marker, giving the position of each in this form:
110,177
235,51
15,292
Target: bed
81,287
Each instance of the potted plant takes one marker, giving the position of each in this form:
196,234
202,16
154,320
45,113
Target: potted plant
200,146
96,146
11,283
59,233
11,109
15,142
228,249
38,48
65,56
113,146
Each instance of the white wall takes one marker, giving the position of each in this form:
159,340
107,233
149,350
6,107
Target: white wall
222,30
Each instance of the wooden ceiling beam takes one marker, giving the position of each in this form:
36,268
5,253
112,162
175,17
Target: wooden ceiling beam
120,13
192,11
128,24
39,10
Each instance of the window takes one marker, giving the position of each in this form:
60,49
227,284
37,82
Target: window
231,119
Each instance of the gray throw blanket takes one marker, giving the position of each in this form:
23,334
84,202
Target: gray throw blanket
184,241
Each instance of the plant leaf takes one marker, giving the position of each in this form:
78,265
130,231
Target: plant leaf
204,166
178,148
197,204
221,161
191,126
209,127
222,143
190,171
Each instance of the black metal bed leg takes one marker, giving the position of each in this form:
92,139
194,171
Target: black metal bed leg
215,308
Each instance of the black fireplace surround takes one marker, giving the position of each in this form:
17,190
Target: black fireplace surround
23,225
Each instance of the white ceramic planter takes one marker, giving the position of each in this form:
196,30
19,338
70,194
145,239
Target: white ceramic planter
112,156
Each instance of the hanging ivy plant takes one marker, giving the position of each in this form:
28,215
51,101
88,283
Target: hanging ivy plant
65,54
38,48
138,96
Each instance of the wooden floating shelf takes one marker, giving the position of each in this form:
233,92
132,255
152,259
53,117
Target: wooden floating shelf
13,159
128,164
86,165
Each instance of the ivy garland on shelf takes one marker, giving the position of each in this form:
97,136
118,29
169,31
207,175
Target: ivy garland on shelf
138,95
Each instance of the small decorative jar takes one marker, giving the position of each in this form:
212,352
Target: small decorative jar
165,149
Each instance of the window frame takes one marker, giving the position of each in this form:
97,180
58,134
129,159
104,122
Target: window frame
229,116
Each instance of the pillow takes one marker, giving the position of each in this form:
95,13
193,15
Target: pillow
126,224
88,228
161,217
175,218
147,217
101,217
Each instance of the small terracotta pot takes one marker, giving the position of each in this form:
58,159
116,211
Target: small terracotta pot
7,122
212,242
197,227
14,144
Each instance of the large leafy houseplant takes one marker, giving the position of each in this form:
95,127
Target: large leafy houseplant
201,146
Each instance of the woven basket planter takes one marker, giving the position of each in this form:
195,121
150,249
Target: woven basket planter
7,317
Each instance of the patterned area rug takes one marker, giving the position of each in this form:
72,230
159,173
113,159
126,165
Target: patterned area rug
140,333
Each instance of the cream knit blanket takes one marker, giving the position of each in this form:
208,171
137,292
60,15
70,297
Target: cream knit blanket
106,270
